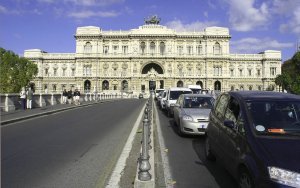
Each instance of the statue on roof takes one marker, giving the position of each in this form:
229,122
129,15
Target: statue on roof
152,20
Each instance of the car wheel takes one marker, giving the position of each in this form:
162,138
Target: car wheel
245,179
179,129
208,154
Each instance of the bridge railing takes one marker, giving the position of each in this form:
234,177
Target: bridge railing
11,102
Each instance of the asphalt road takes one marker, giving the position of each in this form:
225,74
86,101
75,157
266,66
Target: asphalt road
74,148
187,162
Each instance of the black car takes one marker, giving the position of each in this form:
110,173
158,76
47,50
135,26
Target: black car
141,96
256,136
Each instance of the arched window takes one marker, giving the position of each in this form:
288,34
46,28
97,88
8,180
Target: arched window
250,88
217,85
200,84
87,86
124,85
217,49
88,47
180,84
105,85
162,48
152,48
143,47
232,88
259,88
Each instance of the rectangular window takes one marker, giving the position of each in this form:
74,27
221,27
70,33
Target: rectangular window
231,72
190,50
54,72
273,71
258,72
199,50
241,72
249,72
179,50
124,49
73,72
116,48
64,72
106,49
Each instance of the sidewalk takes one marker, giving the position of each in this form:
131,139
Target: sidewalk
18,115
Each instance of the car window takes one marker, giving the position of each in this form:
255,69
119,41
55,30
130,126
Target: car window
175,94
197,102
221,105
233,110
275,116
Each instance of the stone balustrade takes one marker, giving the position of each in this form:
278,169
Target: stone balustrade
11,102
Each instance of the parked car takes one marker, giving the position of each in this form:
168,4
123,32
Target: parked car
172,94
162,99
157,92
191,113
256,136
141,96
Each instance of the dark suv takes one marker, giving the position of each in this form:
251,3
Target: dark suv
256,136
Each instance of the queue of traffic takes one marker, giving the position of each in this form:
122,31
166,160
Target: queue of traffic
255,135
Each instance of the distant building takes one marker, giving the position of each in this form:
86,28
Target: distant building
153,56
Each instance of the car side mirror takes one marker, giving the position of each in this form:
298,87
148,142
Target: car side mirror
229,124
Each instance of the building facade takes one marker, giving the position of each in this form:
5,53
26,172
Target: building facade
150,57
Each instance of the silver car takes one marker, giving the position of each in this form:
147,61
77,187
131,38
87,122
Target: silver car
191,113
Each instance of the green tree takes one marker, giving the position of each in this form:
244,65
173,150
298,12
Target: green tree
15,72
290,75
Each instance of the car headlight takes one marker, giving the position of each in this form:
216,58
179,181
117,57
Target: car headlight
187,118
284,177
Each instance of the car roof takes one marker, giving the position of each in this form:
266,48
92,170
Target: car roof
179,89
262,95
196,95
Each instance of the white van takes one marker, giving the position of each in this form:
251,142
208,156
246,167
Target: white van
195,88
172,94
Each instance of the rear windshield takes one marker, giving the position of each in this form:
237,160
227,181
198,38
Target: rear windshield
175,94
275,116
198,102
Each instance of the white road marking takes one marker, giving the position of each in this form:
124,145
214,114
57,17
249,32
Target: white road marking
120,165
165,161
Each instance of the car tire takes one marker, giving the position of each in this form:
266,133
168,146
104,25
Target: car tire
245,180
179,130
207,150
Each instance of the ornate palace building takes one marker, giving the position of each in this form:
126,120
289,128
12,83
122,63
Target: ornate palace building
153,56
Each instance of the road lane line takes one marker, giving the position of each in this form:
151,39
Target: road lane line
164,156
120,165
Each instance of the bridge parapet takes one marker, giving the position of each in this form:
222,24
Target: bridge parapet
11,102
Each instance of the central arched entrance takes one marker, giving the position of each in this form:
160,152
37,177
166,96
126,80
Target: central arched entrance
153,69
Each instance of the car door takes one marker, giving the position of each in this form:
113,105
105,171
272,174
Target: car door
177,109
216,122
232,138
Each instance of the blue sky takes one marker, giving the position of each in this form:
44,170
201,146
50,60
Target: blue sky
50,25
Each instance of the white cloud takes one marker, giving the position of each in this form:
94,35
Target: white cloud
195,26
94,2
243,16
89,13
4,10
255,45
293,23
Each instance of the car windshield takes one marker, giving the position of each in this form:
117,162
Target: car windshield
198,102
175,94
275,116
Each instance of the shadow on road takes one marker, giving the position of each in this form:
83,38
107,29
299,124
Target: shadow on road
222,177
